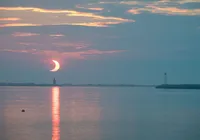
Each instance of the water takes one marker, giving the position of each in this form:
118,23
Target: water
77,113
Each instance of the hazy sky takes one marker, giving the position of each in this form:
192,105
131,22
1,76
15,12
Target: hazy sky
109,41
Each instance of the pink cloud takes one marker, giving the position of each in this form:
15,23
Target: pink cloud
29,44
134,11
67,55
9,19
56,35
22,34
76,45
46,46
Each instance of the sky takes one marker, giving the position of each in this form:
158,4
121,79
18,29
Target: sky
100,42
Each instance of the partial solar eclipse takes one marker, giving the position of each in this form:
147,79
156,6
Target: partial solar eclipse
57,66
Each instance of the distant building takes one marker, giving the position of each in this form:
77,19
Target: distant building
54,81
165,78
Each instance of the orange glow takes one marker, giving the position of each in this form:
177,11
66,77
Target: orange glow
9,19
134,11
18,25
56,11
55,113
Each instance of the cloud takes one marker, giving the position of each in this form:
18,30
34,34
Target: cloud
9,19
29,44
18,25
173,11
166,11
16,51
22,34
158,2
132,2
108,2
187,1
134,11
56,35
70,55
73,45
165,7
97,24
46,46
88,7
96,8
31,16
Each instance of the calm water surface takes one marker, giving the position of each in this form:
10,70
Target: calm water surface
75,113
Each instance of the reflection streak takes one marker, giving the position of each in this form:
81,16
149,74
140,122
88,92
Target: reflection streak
55,113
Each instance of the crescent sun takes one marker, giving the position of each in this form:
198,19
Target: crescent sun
57,66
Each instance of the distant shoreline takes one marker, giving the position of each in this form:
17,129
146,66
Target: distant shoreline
73,85
163,86
178,86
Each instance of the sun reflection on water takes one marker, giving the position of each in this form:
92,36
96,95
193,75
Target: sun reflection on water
55,113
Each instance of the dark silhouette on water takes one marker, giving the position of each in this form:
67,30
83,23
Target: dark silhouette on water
165,78
177,86
54,81
23,110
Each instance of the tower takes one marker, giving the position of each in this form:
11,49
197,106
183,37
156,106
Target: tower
54,81
165,78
